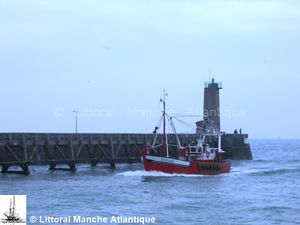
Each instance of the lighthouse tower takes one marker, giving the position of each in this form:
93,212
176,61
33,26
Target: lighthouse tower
235,145
211,107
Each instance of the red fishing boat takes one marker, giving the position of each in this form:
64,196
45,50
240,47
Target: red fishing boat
200,158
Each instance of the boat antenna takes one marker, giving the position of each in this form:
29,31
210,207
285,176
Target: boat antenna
165,152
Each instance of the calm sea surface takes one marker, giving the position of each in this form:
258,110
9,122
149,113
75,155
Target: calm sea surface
263,191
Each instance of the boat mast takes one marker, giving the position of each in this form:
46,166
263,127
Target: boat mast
165,147
10,208
219,142
13,206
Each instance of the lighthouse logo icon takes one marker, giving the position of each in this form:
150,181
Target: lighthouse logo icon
12,209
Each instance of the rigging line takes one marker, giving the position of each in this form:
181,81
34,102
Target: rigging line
157,131
174,130
170,123
169,109
179,120
183,122
159,122
182,115
191,126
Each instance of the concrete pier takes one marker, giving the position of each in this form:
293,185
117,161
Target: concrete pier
57,150
64,151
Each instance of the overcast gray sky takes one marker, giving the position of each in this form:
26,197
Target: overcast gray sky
111,59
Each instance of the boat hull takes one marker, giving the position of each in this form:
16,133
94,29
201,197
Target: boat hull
202,167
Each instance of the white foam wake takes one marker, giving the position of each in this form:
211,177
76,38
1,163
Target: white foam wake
143,173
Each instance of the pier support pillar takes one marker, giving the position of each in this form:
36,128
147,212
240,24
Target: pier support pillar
24,171
4,169
112,164
71,165
110,161
52,166
94,163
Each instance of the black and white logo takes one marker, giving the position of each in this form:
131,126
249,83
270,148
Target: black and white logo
12,209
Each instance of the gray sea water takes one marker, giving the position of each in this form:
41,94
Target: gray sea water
263,191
